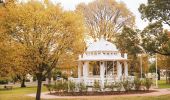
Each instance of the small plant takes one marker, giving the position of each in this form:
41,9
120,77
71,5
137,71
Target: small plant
49,87
112,86
55,87
65,86
147,83
116,85
3,81
106,85
127,85
58,86
96,85
82,87
72,86
137,83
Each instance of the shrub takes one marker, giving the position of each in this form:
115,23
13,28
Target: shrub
82,87
137,83
49,87
96,85
112,86
65,86
72,86
147,83
106,85
3,81
116,85
127,85
58,86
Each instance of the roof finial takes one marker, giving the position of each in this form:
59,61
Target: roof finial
102,38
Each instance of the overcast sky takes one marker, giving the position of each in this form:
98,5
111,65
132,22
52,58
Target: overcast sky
131,4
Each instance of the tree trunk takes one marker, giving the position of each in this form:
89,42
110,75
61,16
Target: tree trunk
166,76
49,78
23,82
39,79
158,72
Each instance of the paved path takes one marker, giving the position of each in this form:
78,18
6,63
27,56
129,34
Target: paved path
158,92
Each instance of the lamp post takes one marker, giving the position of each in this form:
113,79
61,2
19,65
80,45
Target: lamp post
141,65
156,64
140,55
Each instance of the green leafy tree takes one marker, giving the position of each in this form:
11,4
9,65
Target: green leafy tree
156,10
155,38
129,41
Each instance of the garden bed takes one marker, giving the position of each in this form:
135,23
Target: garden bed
100,93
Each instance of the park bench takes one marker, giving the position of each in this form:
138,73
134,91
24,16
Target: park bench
8,87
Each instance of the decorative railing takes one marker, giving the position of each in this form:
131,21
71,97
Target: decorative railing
103,55
90,80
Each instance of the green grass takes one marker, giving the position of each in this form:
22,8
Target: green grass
162,84
20,94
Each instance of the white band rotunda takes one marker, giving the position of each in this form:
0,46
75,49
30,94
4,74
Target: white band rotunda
103,62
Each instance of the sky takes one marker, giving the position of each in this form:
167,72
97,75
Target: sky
132,5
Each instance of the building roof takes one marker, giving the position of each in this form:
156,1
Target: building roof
102,45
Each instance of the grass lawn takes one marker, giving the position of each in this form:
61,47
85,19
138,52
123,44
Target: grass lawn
162,84
20,94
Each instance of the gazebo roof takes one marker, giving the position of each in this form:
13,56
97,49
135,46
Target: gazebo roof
102,50
102,45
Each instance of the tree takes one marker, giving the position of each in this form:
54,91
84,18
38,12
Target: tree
12,62
5,50
1,1
163,63
45,31
129,41
145,63
156,10
105,17
20,66
155,38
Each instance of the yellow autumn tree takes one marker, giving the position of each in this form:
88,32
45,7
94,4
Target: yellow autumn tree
5,50
21,63
164,63
45,31
145,63
4,54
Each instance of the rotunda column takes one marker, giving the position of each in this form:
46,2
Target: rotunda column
79,69
125,55
102,70
119,70
85,71
113,69
126,68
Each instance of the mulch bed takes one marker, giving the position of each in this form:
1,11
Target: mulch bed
100,93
